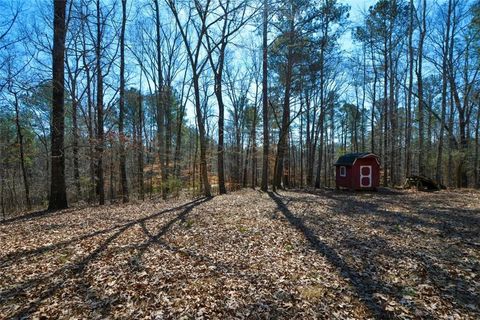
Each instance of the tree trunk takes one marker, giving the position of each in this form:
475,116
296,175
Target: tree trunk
203,141
408,121
141,189
178,142
76,170
111,169
374,101
121,116
282,148
393,115
452,180
301,147
58,192
364,97
2,196
22,153
265,97
254,140
100,187
385,115
446,40
160,104
476,164
321,117
90,120
168,127
462,125
320,152
421,151
221,120
237,149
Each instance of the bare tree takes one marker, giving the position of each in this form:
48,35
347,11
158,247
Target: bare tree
232,20
197,64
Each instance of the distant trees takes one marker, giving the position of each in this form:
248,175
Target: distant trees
233,16
158,97
197,64
8,37
300,54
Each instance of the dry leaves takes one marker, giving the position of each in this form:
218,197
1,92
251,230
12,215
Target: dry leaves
249,255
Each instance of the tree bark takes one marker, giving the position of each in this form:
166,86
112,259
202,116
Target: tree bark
160,104
140,164
22,153
385,113
99,148
58,192
221,118
282,148
408,121
121,116
445,49
75,149
254,138
322,113
203,140
421,151
374,102
264,186
476,164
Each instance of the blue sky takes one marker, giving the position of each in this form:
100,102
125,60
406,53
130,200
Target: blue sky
357,9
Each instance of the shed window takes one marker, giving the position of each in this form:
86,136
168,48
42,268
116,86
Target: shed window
343,171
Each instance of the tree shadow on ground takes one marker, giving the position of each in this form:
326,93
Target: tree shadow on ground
460,223
51,283
363,287
446,232
26,217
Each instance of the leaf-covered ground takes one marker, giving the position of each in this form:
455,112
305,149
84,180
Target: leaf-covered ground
293,255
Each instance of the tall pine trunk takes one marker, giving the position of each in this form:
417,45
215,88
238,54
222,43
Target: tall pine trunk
282,149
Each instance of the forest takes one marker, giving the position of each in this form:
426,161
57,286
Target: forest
160,97
182,159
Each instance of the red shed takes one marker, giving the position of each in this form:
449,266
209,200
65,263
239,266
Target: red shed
358,171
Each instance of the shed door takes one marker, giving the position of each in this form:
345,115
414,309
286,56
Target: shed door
365,176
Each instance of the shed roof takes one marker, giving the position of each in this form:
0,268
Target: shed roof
349,158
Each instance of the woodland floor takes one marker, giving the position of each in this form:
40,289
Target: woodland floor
293,255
